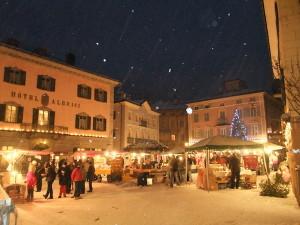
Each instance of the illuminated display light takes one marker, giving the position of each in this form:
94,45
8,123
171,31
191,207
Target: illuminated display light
56,132
238,129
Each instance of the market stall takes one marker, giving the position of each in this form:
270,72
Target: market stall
144,162
214,173
108,164
13,176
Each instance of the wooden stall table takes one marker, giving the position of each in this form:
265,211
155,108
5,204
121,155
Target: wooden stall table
158,175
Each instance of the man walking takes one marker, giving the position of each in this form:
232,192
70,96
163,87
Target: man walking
90,176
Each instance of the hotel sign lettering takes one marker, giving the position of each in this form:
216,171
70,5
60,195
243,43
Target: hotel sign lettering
45,99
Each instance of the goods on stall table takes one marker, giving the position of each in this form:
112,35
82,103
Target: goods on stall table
102,170
16,192
116,165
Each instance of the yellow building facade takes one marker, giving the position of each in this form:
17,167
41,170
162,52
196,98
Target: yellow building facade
134,122
50,104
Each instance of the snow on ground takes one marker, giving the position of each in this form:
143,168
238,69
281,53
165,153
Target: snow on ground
112,204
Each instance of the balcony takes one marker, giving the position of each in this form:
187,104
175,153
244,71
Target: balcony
131,140
55,129
222,122
143,123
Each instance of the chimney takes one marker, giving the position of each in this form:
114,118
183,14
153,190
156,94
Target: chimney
70,59
41,51
12,41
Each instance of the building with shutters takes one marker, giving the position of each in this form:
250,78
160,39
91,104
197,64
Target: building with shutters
134,122
173,125
259,111
49,104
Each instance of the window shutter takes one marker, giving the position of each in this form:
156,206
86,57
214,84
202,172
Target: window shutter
88,122
96,94
6,74
2,112
20,114
35,116
104,124
94,122
23,77
52,84
89,92
39,82
104,96
78,90
51,120
77,121
258,111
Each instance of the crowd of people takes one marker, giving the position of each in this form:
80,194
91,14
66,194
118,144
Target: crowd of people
71,177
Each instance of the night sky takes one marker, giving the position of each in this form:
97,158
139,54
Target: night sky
158,49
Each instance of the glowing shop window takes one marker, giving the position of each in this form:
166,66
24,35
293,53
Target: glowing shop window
11,113
43,117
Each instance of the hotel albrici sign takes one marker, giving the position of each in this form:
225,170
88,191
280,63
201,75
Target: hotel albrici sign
45,99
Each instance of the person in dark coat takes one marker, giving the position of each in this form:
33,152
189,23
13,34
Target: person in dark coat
50,177
62,180
90,176
235,167
173,171
68,171
39,173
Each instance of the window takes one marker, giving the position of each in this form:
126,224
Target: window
206,116
129,115
181,123
222,104
84,91
253,112
100,95
196,118
239,101
115,133
222,131
14,76
173,137
196,108
255,129
222,115
252,99
43,119
99,124
45,82
83,122
115,115
11,113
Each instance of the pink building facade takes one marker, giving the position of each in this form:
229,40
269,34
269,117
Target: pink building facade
48,103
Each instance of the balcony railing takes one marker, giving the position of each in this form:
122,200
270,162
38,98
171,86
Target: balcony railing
58,129
131,140
222,122
143,123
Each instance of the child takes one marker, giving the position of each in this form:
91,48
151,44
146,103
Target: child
31,182
62,180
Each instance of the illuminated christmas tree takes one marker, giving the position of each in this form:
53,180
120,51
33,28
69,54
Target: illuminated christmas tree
238,128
